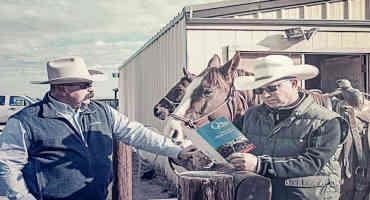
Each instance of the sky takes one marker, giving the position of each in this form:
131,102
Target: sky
104,32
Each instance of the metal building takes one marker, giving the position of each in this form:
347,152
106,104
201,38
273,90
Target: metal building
331,34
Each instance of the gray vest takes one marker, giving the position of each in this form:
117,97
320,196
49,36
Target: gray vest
61,165
290,138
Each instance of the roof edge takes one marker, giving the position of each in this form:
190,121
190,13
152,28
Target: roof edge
234,7
219,4
278,22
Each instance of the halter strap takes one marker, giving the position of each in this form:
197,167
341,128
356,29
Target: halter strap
191,122
171,102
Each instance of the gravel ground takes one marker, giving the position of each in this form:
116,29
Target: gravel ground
156,188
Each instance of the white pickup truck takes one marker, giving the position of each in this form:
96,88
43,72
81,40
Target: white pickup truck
10,104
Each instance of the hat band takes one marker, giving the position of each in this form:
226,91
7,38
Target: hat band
262,78
282,78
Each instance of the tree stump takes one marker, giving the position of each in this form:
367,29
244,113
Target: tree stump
205,185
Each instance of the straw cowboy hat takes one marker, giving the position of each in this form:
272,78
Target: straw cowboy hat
272,68
68,70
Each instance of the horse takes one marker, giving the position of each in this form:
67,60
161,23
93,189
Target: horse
237,104
210,95
171,100
167,108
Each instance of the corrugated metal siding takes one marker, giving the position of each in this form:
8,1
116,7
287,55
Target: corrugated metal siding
147,77
332,10
292,13
271,14
336,10
314,11
203,43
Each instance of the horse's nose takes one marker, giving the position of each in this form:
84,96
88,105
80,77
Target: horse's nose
155,111
160,113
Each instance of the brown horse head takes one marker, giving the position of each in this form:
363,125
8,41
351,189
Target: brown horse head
173,97
213,95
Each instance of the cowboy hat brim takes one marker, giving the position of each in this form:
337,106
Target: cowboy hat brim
71,79
300,72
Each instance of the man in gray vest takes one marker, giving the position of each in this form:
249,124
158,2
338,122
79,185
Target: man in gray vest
297,141
61,147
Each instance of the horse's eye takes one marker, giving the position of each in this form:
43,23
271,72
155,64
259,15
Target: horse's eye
207,92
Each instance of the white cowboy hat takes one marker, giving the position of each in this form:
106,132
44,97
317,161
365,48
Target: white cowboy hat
272,68
68,70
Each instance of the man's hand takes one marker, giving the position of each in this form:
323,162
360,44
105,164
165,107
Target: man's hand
243,161
187,153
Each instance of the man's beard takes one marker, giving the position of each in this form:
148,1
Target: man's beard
90,95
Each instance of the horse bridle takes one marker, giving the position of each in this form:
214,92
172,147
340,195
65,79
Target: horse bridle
172,103
191,123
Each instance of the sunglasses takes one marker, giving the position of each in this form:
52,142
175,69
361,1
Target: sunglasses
80,85
268,89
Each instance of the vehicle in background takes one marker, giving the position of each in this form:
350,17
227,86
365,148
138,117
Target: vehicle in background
10,104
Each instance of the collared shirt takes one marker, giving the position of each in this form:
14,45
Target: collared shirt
14,153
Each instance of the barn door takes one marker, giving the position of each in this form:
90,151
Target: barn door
351,67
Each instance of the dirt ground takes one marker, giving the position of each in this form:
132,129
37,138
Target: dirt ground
156,188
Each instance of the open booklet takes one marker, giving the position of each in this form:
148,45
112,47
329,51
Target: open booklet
218,139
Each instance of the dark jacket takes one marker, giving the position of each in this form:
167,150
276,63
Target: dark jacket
63,165
300,153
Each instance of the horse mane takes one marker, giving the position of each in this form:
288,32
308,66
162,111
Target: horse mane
213,77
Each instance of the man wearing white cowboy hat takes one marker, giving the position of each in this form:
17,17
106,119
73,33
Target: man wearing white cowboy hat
297,141
61,147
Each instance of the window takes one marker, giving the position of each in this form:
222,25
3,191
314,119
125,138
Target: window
2,100
18,101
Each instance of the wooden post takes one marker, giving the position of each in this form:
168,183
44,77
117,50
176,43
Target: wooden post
122,171
199,185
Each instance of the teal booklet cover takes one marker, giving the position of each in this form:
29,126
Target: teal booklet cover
224,137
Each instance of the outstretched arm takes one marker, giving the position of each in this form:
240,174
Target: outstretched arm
136,134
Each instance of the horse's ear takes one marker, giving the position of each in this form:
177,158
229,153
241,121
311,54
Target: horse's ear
187,74
214,62
185,71
232,64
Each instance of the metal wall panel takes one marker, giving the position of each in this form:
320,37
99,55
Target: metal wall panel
202,44
314,11
291,13
270,15
147,77
357,9
332,10
336,10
